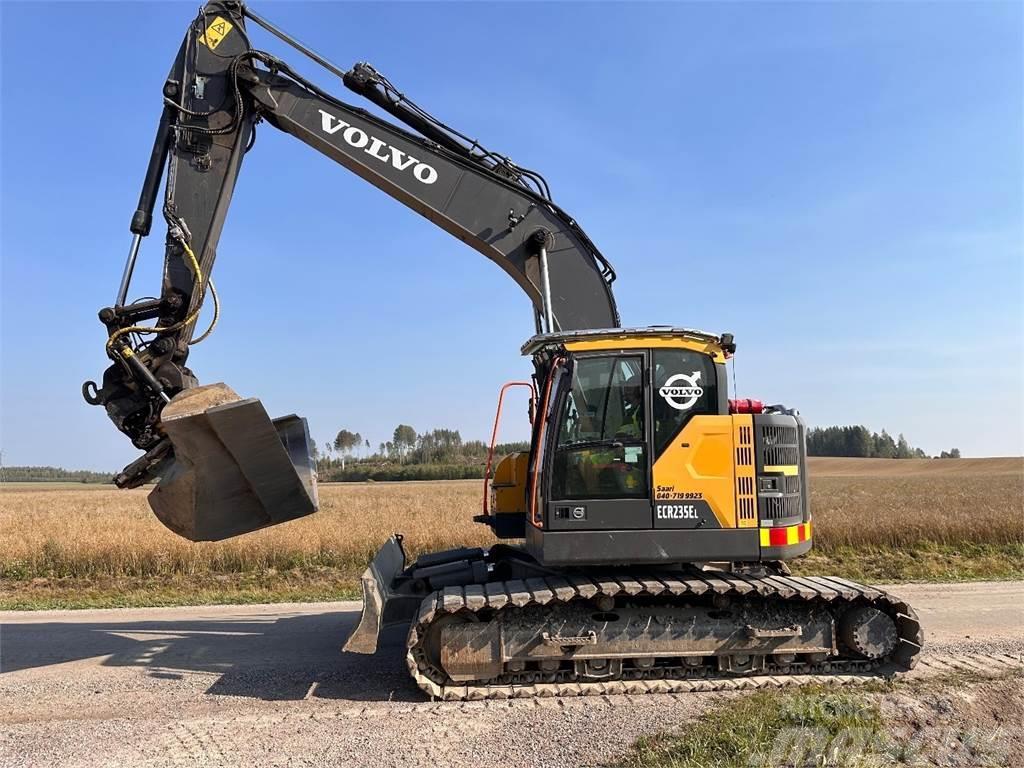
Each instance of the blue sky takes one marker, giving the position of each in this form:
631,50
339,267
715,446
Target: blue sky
839,185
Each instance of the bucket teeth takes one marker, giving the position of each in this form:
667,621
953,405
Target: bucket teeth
235,470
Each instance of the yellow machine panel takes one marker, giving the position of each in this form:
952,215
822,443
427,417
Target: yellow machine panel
508,488
632,341
746,494
789,470
699,465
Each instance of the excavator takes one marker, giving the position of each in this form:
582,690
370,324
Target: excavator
643,539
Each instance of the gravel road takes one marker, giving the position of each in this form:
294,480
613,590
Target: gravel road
266,685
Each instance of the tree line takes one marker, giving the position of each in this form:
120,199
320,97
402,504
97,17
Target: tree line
438,454
446,447
438,446
860,442
52,475
442,454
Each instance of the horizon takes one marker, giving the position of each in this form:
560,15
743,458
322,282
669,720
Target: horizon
839,186
337,457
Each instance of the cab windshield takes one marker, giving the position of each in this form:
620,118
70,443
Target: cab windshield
600,451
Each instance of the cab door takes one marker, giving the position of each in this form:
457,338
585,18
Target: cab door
600,467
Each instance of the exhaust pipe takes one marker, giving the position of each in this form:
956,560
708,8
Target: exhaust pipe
235,470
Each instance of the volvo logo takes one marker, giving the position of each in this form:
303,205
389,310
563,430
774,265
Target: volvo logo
357,138
682,391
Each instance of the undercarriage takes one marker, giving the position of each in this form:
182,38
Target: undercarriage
631,630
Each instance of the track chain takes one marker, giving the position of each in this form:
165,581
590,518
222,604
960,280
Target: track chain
519,593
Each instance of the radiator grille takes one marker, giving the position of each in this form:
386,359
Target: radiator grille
780,507
745,447
746,503
779,453
780,445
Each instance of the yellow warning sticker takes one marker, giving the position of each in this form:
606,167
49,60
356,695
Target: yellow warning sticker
216,32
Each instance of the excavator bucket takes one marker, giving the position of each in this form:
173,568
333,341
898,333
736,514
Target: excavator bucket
235,470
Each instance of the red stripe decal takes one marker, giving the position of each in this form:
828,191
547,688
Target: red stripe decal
777,537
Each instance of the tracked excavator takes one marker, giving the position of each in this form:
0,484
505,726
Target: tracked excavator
643,537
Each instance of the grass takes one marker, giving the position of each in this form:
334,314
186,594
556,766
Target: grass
943,719
921,526
94,546
809,726
296,586
922,561
98,548
905,511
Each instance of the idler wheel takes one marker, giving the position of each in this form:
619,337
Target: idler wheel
868,632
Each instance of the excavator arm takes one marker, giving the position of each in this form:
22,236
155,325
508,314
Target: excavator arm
224,467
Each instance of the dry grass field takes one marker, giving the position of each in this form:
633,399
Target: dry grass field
931,500
90,545
836,467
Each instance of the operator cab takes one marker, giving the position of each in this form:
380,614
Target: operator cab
638,456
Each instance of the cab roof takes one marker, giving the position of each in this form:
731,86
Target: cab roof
718,346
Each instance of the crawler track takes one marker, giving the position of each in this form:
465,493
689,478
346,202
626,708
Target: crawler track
666,589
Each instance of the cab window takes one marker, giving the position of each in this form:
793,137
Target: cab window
685,385
600,452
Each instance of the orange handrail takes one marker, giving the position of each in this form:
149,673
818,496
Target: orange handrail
494,432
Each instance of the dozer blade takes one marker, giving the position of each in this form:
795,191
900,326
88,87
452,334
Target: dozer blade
235,470
382,607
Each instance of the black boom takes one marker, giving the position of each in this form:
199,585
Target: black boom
217,90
